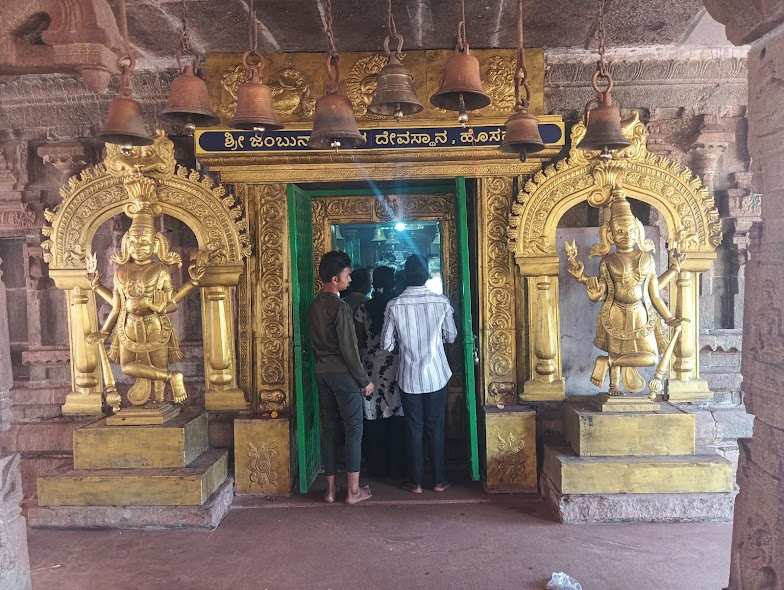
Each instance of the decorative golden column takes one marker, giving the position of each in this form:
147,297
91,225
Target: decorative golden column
85,396
685,384
544,380
220,365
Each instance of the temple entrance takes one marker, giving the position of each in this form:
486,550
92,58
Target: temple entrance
380,225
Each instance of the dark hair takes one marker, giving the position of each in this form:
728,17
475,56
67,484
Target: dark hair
360,281
383,285
332,263
416,270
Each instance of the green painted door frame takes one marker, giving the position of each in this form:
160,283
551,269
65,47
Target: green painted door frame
302,291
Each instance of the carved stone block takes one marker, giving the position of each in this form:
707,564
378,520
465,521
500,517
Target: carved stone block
14,558
262,460
510,446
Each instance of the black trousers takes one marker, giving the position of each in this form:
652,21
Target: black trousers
340,401
424,413
384,447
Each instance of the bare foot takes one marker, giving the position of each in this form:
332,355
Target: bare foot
329,497
329,492
362,494
412,487
441,487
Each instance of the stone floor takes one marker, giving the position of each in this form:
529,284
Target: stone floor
461,539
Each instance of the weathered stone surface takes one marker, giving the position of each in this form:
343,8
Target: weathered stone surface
207,516
14,558
758,534
575,508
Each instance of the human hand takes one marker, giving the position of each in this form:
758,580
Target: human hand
96,337
674,322
367,391
677,258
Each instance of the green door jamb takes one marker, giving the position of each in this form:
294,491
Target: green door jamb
466,324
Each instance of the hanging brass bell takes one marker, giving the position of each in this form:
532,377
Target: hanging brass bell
395,95
603,128
254,105
378,235
334,124
461,87
189,102
522,134
124,123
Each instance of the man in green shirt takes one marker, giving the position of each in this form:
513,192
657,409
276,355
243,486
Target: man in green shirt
342,380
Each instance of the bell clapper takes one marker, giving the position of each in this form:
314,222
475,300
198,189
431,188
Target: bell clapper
190,128
335,144
398,114
259,130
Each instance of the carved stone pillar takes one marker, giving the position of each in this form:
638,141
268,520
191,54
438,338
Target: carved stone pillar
220,356
6,372
758,531
544,379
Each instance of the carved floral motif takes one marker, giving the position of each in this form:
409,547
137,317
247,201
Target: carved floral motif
261,471
272,354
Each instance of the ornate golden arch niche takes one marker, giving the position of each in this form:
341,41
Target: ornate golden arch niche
693,226
219,226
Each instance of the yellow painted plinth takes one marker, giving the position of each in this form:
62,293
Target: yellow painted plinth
262,459
177,443
535,391
144,415
624,403
667,432
637,475
225,400
510,447
185,486
694,390
78,404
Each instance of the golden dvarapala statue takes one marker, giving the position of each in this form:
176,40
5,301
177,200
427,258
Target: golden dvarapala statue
628,327
142,338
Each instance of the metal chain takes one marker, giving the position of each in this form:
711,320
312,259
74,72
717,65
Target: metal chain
333,50
522,91
253,29
462,42
185,42
602,39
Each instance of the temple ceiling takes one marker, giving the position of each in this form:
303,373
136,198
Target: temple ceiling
295,25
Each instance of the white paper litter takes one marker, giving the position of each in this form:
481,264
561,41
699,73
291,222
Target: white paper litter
562,581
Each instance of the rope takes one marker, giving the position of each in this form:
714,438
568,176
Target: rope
333,50
253,29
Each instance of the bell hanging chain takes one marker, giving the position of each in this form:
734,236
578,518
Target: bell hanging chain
333,50
185,42
392,33
602,68
462,41
522,90
126,62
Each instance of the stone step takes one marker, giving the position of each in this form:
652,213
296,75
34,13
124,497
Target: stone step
667,432
181,486
175,444
206,516
571,474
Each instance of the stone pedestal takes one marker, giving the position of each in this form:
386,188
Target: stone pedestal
510,449
14,558
635,466
138,477
262,461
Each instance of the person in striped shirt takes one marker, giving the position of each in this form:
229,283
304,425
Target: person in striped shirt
419,321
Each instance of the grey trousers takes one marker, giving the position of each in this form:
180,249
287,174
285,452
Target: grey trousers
340,400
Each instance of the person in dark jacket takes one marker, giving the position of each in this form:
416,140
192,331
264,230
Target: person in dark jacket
342,380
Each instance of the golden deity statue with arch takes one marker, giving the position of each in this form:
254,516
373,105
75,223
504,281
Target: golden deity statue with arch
143,340
629,325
